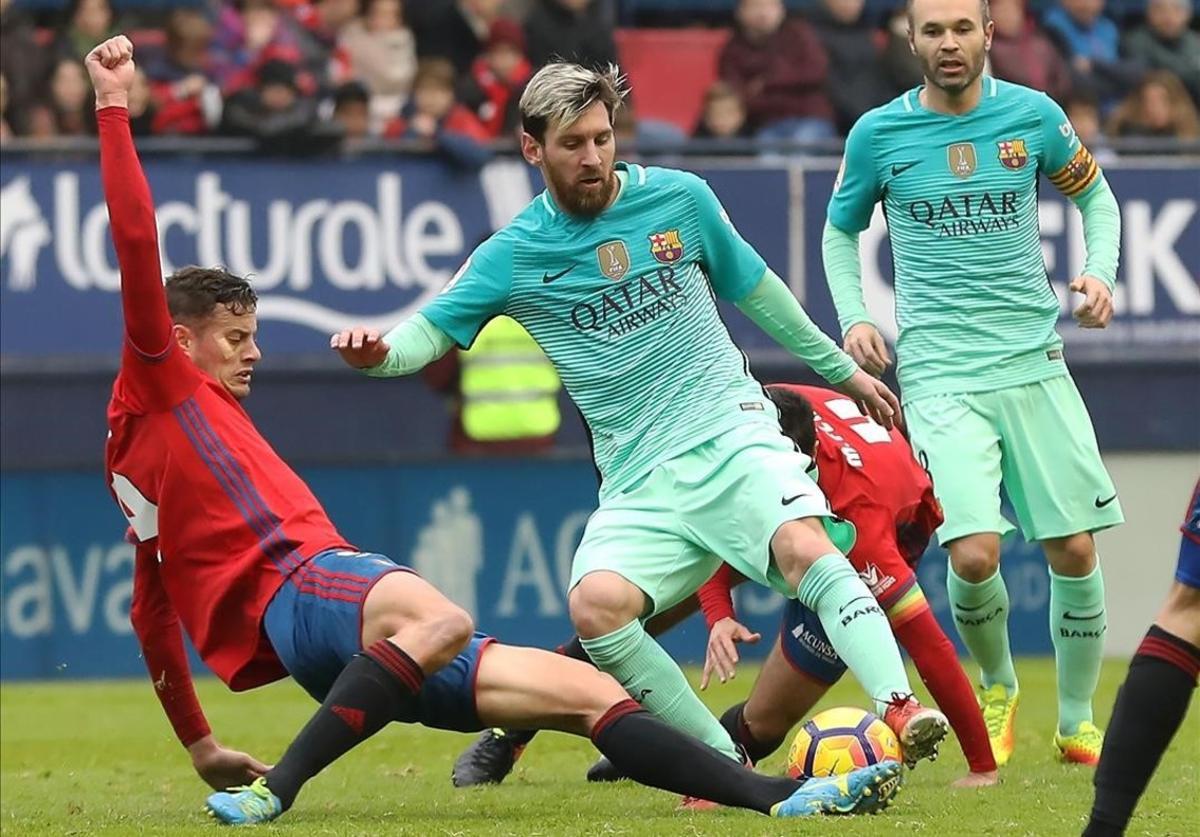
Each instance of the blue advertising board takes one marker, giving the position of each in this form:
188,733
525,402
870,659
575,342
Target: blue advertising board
498,538
368,241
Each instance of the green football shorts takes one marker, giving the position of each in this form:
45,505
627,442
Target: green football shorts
1035,439
722,500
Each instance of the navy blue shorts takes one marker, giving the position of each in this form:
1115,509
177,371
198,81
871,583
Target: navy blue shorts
1187,571
314,623
806,646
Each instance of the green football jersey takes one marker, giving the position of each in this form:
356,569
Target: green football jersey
624,305
973,300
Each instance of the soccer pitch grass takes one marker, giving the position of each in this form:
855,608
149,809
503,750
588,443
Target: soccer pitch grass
99,758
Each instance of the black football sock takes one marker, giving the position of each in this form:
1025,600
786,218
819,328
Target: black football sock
376,687
734,722
654,753
1149,710
572,648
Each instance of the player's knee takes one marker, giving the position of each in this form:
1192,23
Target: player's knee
1074,555
452,627
797,544
602,602
975,559
768,720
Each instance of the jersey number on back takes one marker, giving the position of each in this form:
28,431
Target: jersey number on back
141,513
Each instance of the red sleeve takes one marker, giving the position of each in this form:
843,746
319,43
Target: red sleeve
157,628
151,366
716,596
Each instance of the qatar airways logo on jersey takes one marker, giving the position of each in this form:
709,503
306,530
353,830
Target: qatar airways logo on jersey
958,215
627,307
309,255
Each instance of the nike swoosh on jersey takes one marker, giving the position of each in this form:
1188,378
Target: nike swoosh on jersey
900,168
547,278
1102,503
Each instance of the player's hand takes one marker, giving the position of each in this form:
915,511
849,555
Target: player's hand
362,348
721,657
866,345
1097,307
873,396
223,768
110,64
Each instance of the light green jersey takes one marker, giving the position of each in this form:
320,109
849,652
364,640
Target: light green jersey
624,305
973,300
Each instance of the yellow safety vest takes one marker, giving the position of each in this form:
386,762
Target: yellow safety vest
509,387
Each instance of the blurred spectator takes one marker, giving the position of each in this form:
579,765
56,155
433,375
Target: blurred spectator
381,53
249,33
1023,53
856,75
1159,107
320,23
88,23
1083,112
40,121
1090,41
780,69
497,78
189,39
723,115
275,111
576,30
434,114
898,62
142,108
352,110
453,29
186,100
1166,42
71,98
504,392
22,63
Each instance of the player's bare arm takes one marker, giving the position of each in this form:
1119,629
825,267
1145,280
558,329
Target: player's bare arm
360,347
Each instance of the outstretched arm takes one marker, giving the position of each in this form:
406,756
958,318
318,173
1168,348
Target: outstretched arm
130,206
407,348
158,631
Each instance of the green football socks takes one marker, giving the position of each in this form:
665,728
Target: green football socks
856,626
981,616
654,680
1077,625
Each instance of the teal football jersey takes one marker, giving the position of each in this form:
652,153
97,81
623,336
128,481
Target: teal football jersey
624,305
973,301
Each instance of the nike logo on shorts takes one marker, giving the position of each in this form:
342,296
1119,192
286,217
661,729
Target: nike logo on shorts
1102,503
787,501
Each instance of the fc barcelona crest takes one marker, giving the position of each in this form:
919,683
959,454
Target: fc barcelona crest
614,259
961,158
666,247
1013,154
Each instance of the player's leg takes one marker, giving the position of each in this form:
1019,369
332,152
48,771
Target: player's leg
1061,493
633,560
525,687
1152,702
956,441
360,635
797,673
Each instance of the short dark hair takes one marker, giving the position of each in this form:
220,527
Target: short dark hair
795,416
194,292
985,11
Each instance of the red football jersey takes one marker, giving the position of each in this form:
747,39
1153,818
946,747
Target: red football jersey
869,474
208,500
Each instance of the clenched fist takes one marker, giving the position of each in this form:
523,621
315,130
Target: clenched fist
110,65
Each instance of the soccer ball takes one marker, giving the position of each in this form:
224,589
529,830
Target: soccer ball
839,740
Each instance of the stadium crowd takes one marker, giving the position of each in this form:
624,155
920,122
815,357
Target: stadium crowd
302,76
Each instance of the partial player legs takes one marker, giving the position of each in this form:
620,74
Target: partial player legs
1078,622
1150,707
780,698
606,609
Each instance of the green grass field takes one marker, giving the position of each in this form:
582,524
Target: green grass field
99,758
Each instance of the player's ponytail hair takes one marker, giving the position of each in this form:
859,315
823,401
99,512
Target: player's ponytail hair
560,92
194,292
